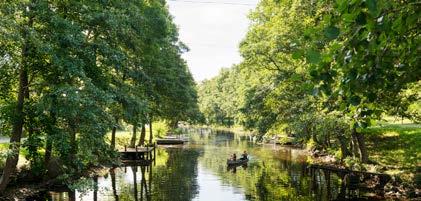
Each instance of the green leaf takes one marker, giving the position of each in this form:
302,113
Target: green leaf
342,5
297,55
372,7
348,17
355,100
314,73
331,32
313,56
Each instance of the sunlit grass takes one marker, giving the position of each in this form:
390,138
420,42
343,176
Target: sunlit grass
4,147
397,147
123,137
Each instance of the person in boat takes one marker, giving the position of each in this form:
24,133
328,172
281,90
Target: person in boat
234,157
244,156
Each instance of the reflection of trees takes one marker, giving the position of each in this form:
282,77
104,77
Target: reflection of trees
113,186
276,176
137,189
177,181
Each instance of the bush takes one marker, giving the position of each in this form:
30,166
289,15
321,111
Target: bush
3,154
160,128
311,144
353,163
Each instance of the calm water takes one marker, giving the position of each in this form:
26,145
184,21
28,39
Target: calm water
197,171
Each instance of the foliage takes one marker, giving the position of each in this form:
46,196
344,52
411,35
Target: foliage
321,70
85,67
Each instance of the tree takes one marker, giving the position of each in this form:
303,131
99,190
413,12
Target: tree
71,71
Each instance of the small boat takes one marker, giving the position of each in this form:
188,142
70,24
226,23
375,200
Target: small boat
170,141
237,162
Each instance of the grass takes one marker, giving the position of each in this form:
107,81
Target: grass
235,129
123,137
4,147
396,147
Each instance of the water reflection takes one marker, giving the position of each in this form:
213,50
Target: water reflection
198,172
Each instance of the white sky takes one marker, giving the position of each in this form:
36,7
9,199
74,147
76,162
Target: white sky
212,29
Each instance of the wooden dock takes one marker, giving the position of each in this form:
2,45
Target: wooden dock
352,181
139,153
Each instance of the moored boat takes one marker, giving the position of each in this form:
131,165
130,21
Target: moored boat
237,162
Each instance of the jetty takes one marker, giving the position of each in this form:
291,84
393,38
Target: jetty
138,153
352,181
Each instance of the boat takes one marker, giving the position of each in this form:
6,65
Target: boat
169,141
172,140
237,162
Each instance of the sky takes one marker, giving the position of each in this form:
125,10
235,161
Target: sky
213,30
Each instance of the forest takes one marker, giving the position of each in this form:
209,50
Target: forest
72,71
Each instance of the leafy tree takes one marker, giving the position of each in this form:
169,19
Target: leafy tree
72,71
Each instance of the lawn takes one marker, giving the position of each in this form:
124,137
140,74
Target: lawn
396,147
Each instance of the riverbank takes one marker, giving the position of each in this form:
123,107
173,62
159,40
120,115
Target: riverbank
23,188
394,149
235,129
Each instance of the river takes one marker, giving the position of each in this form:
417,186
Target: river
197,171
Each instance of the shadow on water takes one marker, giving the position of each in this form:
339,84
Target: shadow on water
198,172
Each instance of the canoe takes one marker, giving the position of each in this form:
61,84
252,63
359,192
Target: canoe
237,162
170,141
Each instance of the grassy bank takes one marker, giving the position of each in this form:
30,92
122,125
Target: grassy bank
123,137
235,129
395,148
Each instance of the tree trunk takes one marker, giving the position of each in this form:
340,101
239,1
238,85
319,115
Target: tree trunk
142,136
150,131
174,124
73,145
133,140
354,144
344,149
12,159
48,150
113,132
362,147
51,131
113,137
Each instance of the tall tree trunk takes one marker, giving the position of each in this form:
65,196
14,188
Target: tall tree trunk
12,159
175,124
150,131
113,134
48,150
142,136
354,145
133,140
361,146
73,144
113,137
51,131
344,149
